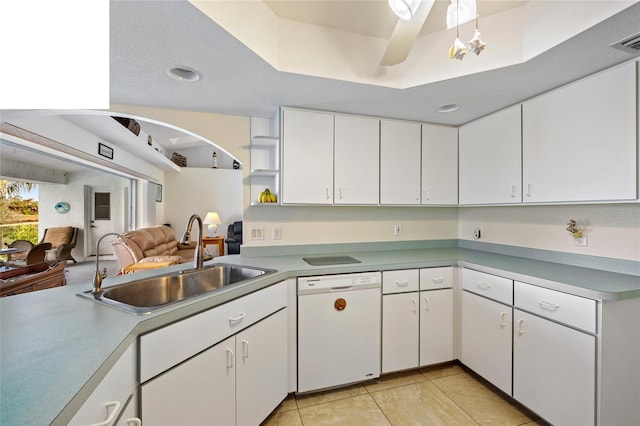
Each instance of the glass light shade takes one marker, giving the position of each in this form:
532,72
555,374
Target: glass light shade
405,9
458,14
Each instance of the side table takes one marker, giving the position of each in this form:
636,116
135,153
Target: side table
219,241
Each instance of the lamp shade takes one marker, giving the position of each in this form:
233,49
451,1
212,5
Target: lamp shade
212,218
405,9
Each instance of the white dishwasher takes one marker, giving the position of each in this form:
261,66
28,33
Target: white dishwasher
338,329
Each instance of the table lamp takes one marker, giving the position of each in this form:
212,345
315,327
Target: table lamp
212,220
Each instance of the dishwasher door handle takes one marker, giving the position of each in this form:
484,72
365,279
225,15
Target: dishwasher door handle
343,288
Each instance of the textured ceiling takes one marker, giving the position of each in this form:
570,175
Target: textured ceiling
148,36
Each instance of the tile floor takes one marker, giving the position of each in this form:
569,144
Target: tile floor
441,395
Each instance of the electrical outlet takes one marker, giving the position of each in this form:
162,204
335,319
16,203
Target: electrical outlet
581,241
257,233
477,233
397,230
275,233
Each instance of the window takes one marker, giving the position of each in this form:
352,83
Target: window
102,206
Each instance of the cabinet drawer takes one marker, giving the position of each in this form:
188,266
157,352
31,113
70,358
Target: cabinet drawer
168,346
487,285
433,278
400,281
561,307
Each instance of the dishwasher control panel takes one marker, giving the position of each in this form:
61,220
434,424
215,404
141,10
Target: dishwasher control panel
342,282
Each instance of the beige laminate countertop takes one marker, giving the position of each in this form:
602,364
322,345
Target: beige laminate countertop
56,347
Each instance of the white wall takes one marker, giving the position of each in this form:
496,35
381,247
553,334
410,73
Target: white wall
73,193
613,230
199,191
325,225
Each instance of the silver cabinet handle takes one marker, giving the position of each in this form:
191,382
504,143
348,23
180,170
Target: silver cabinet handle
502,316
426,304
402,283
245,349
110,416
414,305
437,280
520,330
238,318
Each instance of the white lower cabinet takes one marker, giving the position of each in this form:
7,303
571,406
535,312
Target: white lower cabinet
554,370
239,381
552,360
106,402
400,331
485,339
436,326
417,326
226,366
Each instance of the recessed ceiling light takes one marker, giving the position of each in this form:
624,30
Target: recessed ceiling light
182,73
448,108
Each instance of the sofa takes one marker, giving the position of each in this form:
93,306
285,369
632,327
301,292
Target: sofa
30,278
156,244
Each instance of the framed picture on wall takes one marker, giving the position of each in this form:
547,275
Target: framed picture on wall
158,193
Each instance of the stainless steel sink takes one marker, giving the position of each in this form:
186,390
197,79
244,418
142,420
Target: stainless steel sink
149,294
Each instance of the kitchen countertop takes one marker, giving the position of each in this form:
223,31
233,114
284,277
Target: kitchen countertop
56,347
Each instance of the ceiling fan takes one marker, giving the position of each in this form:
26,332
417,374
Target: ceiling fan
412,15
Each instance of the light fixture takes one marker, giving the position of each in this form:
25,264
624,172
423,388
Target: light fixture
475,44
448,108
213,220
182,73
457,49
405,9
460,12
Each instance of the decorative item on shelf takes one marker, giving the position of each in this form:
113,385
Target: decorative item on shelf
132,125
236,165
62,207
214,160
179,159
212,219
267,196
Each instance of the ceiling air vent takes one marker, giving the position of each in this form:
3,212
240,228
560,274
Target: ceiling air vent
630,44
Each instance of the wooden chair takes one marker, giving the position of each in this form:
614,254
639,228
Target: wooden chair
19,244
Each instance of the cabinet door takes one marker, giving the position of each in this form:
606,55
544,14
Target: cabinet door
436,326
400,319
490,159
439,164
399,162
357,160
307,149
111,395
579,142
554,370
197,392
261,371
485,341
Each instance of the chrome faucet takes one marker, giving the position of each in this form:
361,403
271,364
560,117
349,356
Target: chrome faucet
99,276
198,258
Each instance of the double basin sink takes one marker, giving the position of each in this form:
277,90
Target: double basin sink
150,294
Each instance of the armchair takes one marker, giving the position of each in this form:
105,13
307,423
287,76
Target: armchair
63,240
31,255
234,237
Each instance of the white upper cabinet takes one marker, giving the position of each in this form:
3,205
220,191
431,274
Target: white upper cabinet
399,162
356,160
439,164
490,159
307,150
580,141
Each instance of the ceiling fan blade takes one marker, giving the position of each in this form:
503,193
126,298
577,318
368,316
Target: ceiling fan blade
405,34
